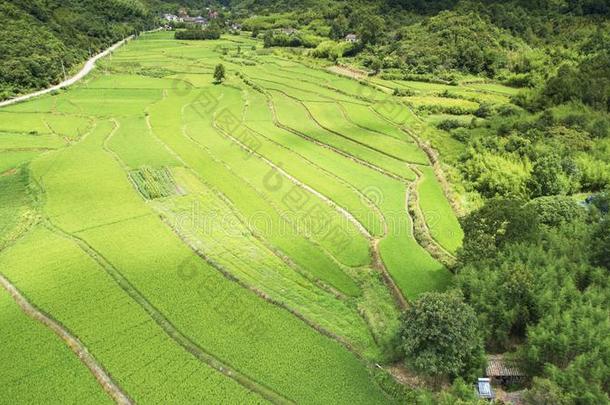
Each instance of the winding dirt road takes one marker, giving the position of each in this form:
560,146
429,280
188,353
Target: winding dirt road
89,65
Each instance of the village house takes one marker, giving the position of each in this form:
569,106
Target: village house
502,370
199,20
351,38
171,17
289,31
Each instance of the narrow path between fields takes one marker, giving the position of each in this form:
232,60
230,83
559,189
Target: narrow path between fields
267,245
165,324
180,338
102,377
419,227
377,261
346,214
324,145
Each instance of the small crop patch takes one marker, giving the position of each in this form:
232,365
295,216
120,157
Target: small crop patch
153,183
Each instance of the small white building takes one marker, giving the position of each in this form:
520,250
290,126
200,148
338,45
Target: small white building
351,38
289,31
484,389
200,20
170,17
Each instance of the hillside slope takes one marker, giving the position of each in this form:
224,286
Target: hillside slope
41,39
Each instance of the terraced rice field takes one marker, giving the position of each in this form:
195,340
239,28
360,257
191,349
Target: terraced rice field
247,242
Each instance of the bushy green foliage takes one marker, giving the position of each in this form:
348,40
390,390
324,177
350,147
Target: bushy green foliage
39,40
219,73
463,41
557,152
601,244
332,50
440,336
588,83
497,223
545,290
554,210
293,40
192,34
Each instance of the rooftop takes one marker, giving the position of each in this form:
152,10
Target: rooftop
499,366
484,388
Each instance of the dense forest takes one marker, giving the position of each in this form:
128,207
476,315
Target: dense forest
42,40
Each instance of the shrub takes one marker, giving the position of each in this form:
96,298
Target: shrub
449,124
461,134
520,80
440,336
403,92
506,110
196,34
599,128
553,210
484,110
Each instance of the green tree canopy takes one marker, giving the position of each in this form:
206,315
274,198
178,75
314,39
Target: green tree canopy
219,73
440,336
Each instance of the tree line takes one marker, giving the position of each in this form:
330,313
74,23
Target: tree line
40,41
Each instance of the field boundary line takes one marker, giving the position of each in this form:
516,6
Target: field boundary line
73,343
419,226
277,252
432,157
272,249
377,260
227,274
438,171
330,174
329,147
346,214
352,139
345,342
176,335
379,265
318,123
260,193
408,139
428,150
355,99
322,285
360,99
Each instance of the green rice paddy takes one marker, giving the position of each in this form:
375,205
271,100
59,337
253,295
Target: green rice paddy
216,243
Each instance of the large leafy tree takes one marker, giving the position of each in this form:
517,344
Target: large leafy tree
498,222
548,177
370,28
440,336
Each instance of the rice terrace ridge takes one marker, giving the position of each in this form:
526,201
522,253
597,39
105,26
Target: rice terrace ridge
269,203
